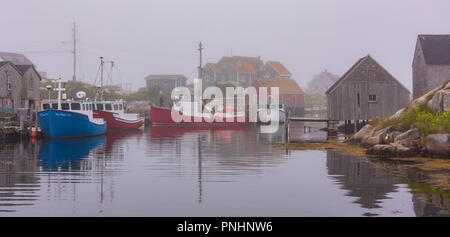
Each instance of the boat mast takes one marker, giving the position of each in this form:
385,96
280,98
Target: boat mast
101,77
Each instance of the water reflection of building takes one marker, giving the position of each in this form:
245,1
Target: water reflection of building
432,204
17,187
363,181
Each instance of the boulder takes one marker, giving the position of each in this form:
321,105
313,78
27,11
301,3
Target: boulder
446,100
393,135
364,131
382,150
438,144
402,151
392,149
439,103
408,135
397,114
379,137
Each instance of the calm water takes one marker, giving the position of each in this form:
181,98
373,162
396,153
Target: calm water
173,172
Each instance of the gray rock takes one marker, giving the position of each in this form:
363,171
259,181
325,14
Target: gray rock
438,144
397,114
393,135
437,101
379,137
401,150
393,149
408,135
446,101
367,130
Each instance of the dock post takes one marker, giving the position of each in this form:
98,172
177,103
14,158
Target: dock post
286,126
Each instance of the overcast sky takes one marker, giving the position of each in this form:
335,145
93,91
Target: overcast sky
153,37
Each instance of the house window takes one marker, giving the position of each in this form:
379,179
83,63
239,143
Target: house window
372,98
10,80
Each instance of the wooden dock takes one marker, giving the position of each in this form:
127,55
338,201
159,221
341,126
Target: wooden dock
332,125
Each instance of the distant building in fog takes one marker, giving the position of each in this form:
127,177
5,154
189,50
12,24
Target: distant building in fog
321,82
431,63
166,83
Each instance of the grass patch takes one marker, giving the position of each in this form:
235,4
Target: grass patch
422,118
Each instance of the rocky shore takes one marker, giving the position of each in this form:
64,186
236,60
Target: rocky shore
388,140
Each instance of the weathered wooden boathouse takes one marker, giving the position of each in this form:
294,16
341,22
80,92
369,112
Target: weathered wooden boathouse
366,91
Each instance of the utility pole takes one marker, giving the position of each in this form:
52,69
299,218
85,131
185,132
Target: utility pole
101,77
74,78
200,70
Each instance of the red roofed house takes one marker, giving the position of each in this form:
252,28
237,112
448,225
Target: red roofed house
241,71
290,94
276,70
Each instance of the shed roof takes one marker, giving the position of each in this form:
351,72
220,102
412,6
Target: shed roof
3,63
436,49
24,68
352,69
15,58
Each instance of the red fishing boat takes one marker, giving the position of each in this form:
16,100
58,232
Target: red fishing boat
113,111
116,119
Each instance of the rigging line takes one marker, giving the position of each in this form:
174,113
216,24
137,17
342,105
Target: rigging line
96,77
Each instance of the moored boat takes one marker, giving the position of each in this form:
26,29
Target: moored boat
69,118
163,116
113,113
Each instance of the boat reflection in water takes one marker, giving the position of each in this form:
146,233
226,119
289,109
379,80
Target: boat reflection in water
68,154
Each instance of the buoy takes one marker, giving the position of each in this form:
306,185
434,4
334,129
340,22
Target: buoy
33,132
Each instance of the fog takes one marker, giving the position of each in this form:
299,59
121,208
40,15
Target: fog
153,37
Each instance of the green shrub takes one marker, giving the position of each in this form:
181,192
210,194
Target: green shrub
425,120
422,118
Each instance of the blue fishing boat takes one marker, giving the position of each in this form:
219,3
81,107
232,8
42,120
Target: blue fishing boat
69,118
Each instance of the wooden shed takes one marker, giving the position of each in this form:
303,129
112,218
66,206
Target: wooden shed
366,91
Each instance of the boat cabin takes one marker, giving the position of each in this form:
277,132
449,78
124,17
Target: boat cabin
70,105
109,106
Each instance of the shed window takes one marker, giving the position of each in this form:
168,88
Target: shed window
10,80
116,107
65,106
99,106
372,98
46,106
30,84
358,101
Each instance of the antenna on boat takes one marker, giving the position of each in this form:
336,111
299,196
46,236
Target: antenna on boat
59,89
